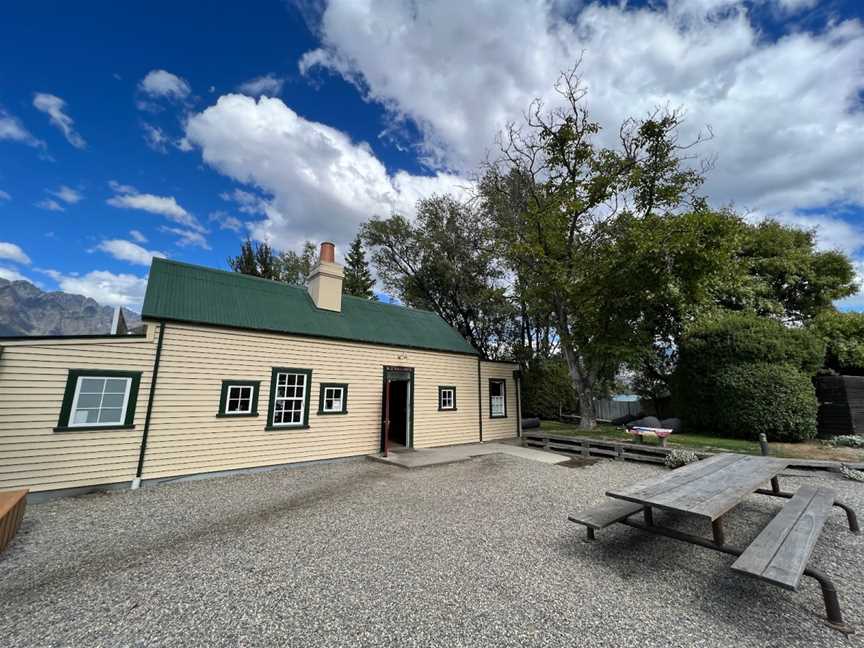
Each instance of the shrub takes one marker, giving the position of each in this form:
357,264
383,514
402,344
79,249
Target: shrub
849,473
735,338
848,440
546,387
750,399
740,374
677,458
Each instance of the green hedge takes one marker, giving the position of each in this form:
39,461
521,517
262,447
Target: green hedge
737,338
775,399
740,375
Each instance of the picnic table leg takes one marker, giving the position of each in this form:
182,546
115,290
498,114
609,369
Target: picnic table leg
832,604
663,442
717,530
649,516
850,517
589,534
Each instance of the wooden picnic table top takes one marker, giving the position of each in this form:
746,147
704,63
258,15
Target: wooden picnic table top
707,488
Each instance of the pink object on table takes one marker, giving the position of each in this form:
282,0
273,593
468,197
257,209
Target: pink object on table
660,433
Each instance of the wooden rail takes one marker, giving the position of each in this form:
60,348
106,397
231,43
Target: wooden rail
12,505
620,450
588,447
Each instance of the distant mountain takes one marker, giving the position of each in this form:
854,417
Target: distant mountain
27,310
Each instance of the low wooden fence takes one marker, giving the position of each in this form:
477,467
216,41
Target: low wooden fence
621,451
587,447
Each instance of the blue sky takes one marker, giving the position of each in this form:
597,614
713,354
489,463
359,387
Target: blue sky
178,129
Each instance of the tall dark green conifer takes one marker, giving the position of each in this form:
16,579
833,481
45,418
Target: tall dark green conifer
358,279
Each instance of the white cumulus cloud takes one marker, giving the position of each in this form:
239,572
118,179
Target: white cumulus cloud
226,221
13,130
13,252
55,107
128,251
137,236
50,204
128,198
104,286
786,112
323,184
164,84
10,274
4,195
267,84
187,237
67,194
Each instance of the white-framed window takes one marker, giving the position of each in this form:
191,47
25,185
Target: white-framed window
497,398
290,402
239,399
100,401
446,398
333,397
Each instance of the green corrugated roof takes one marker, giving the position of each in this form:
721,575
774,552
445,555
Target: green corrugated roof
189,293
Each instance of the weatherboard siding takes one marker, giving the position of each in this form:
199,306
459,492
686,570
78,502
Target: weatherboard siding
186,437
32,383
499,428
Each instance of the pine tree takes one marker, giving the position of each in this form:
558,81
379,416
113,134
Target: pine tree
258,260
358,279
245,262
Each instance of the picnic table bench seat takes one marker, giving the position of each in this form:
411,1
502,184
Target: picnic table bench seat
12,505
779,554
605,514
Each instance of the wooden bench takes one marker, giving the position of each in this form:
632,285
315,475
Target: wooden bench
12,505
780,553
604,515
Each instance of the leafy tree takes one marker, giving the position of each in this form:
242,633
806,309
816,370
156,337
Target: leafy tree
706,260
788,277
843,333
261,260
546,388
445,261
295,268
358,279
559,202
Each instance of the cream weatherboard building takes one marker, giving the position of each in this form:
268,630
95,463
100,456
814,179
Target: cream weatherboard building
235,372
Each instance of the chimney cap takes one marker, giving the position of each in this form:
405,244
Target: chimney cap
328,252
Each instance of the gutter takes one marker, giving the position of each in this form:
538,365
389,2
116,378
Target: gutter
137,481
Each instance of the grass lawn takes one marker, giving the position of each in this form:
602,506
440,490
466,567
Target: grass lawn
804,450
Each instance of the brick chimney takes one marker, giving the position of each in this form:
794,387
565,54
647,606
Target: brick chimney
325,281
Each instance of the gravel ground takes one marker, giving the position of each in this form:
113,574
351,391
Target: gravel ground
360,553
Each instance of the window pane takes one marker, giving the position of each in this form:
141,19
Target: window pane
82,417
110,415
109,400
89,400
116,385
91,385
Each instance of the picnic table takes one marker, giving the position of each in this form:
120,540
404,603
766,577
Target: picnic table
709,489
641,432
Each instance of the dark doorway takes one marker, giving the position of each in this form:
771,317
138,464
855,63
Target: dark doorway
399,412
396,415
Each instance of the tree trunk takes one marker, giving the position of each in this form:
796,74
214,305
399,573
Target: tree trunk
583,385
